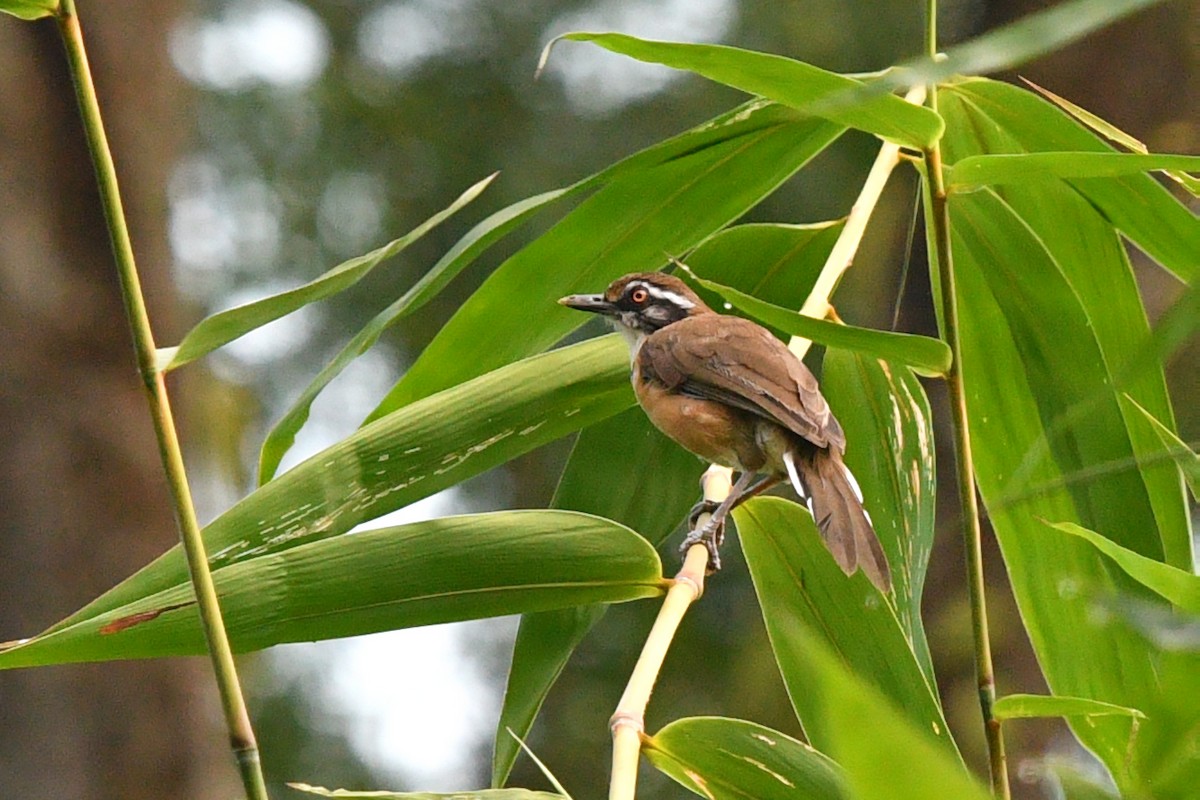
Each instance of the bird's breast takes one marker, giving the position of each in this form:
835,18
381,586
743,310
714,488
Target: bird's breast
713,431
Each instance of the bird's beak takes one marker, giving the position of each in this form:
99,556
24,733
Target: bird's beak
589,302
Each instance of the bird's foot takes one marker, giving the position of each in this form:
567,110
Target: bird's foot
703,507
711,536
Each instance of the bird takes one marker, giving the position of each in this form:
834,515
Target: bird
726,389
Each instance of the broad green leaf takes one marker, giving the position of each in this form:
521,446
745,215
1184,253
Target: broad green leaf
1180,587
993,117
776,262
627,226
281,437
1111,132
928,356
29,9
890,449
976,172
1032,706
1030,356
1184,456
883,753
442,570
1086,251
779,262
647,483
1014,44
784,80
432,445
473,794
800,586
222,328
731,759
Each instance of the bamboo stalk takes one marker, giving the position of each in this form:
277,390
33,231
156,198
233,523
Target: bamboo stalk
972,533
241,734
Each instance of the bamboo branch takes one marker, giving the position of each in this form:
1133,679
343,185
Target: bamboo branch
241,734
972,536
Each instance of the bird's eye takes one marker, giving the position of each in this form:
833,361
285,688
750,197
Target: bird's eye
639,295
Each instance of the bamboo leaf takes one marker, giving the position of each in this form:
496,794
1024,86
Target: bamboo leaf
222,328
282,435
801,588
889,429
1014,44
1180,587
29,9
731,759
928,356
434,444
1032,706
1184,456
976,172
1111,132
896,759
441,570
784,80
991,117
738,122
626,226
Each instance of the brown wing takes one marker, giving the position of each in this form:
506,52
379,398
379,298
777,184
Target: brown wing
734,361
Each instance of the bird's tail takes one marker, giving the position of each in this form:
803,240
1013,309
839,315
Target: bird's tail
835,501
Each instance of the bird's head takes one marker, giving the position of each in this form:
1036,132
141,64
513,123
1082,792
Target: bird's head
642,303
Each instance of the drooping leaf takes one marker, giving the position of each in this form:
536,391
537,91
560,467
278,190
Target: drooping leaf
432,445
224,327
890,449
792,83
1180,587
928,356
732,759
627,226
975,172
430,572
1030,706
801,587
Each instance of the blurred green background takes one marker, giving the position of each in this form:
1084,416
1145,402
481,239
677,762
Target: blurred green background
263,141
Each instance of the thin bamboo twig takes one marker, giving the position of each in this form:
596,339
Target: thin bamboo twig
972,534
629,719
241,733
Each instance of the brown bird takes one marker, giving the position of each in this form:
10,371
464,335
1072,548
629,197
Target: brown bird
730,392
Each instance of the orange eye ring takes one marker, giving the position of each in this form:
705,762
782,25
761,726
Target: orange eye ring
639,295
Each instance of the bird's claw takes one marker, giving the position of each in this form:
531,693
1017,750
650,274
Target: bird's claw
702,507
711,536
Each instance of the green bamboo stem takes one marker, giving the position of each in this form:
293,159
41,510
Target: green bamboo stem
972,533
241,734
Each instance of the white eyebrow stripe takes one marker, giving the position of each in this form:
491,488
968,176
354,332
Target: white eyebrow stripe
666,294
